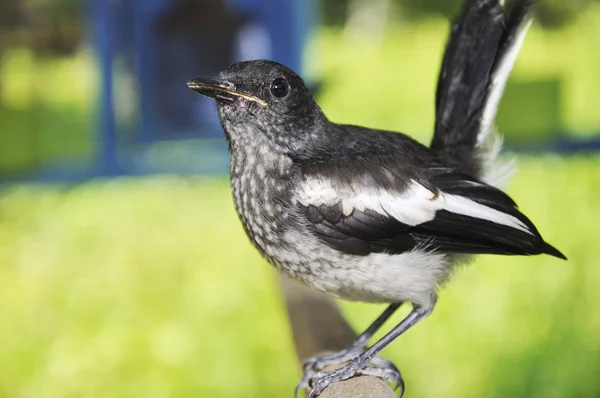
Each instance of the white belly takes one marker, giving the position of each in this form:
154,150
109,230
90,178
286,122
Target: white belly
379,277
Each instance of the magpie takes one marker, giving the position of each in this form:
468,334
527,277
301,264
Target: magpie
373,215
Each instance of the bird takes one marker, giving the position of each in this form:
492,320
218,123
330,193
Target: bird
371,215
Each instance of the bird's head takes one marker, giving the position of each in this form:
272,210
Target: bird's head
262,100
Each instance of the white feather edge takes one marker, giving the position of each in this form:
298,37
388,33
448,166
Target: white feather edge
414,206
489,141
496,173
499,82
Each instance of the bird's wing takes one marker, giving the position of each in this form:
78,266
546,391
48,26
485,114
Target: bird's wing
439,209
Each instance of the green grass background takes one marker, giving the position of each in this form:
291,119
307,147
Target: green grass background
147,287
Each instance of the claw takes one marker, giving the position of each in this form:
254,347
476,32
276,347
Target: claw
298,388
307,380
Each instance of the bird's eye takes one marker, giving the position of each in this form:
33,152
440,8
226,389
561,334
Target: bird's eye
279,88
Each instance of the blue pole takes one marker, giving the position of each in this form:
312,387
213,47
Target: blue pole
144,12
288,22
105,48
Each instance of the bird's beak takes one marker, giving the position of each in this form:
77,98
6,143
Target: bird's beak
220,89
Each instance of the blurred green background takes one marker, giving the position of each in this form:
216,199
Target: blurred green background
148,287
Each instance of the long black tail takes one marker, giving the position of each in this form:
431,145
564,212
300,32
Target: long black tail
480,53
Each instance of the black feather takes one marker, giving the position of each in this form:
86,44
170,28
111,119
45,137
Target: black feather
314,215
333,214
479,39
455,182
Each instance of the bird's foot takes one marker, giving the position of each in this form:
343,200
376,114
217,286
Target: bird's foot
384,369
316,364
313,367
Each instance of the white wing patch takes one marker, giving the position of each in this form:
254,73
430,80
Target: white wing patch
467,207
414,206
498,83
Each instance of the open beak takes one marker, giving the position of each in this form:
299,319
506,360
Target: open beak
220,89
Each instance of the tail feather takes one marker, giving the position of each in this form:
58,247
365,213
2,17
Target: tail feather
480,53
553,251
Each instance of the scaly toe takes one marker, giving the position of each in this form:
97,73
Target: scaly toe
336,359
322,382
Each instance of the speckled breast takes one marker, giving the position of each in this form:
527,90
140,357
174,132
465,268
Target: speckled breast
261,180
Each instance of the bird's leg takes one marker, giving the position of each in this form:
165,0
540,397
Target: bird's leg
312,367
355,349
356,365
